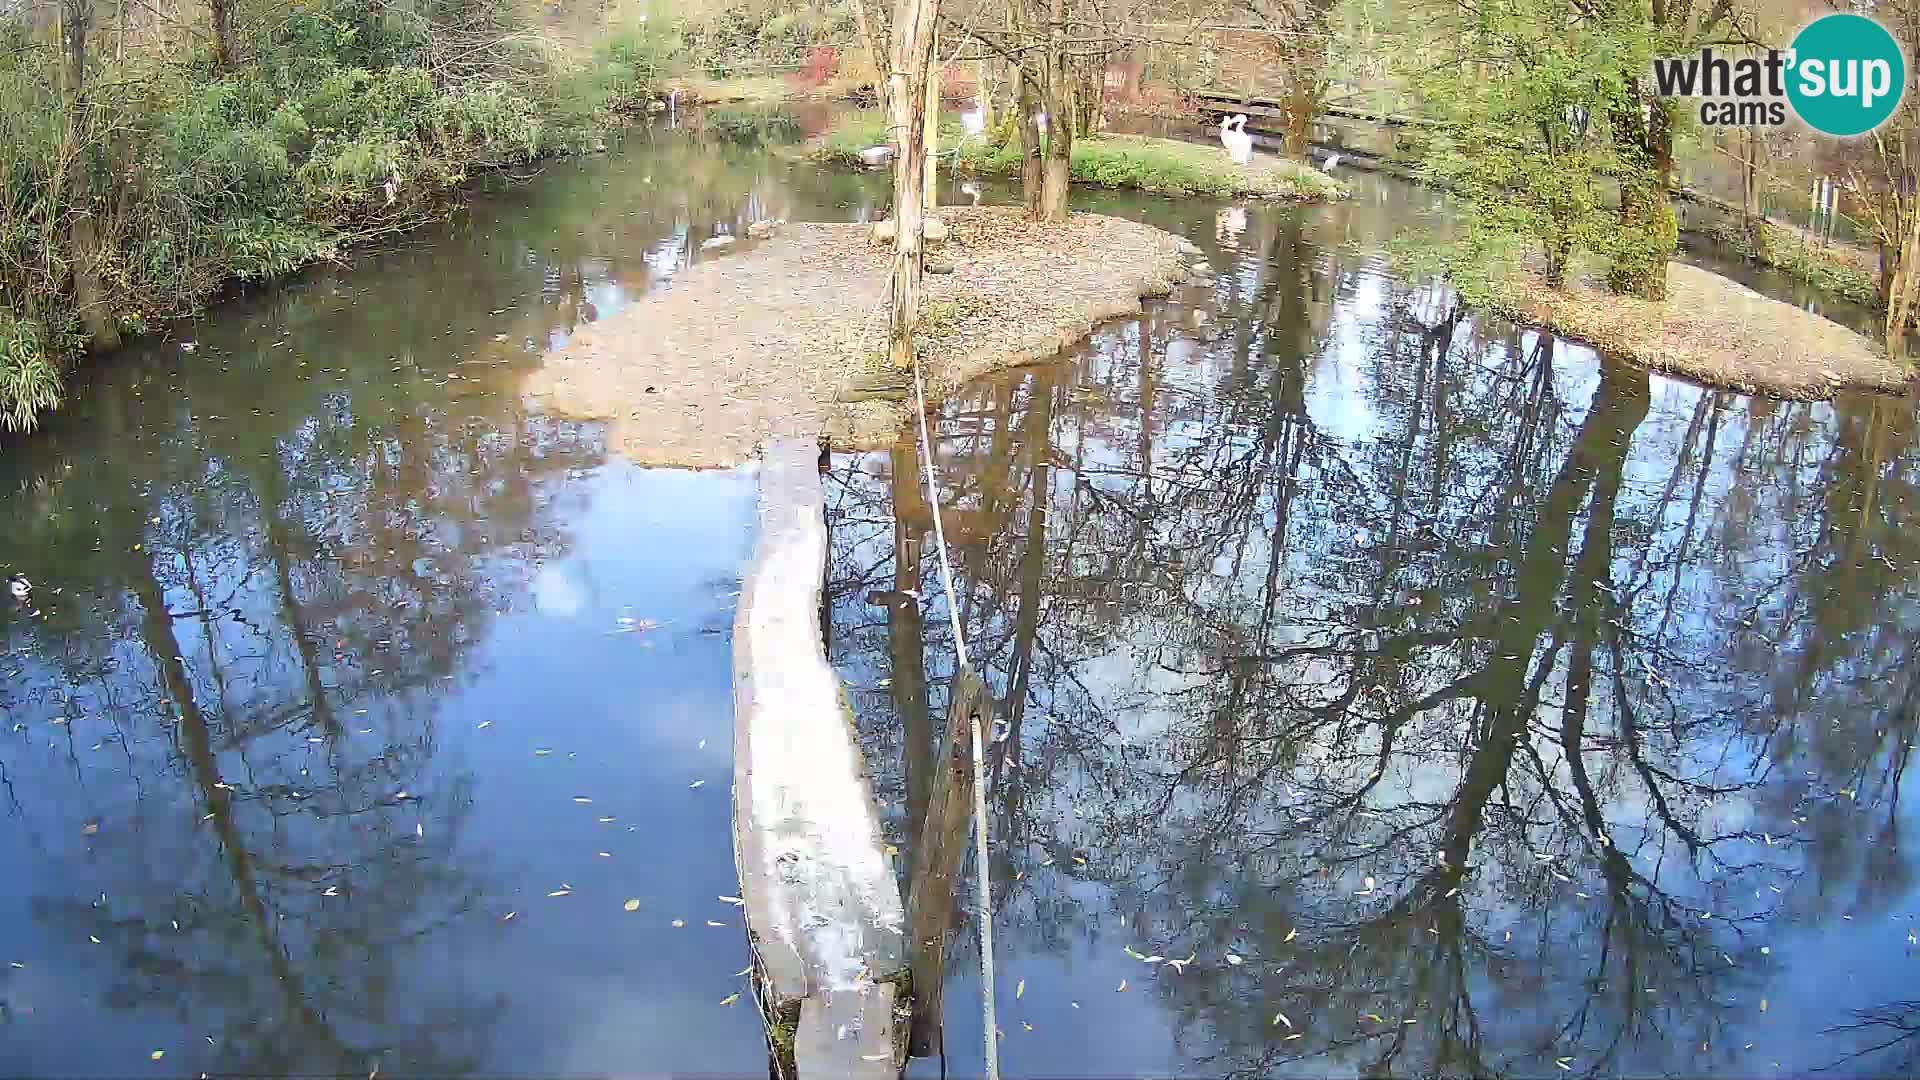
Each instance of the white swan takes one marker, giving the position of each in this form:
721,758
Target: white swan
1233,136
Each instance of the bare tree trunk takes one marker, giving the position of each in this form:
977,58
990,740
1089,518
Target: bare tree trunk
1059,97
1753,217
930,191
84,243
222,35
983,95
873,41
913,23
1904,285
1026,105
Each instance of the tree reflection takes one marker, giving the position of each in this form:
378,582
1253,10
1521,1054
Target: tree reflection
254,612
1494,704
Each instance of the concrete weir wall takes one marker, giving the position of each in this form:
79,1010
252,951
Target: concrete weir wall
823,905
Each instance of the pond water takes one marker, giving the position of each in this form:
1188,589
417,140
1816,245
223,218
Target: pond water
1458,702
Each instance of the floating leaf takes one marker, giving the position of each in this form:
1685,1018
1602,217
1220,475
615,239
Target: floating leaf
1281,1018
1291,934
1564,1064
581,799
541,751
93,939
485,724
1235,960
677,923
1020,990
157,1055
734,900
730,998
710,922
1121,989
561,892
508,917
875,1057
697,784
748,970
632,904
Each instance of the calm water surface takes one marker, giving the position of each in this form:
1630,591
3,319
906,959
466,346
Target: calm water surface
1493,707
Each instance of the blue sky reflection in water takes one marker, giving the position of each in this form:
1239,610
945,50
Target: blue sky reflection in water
330,632
1458,702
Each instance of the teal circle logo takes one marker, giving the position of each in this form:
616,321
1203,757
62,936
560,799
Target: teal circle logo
1846,75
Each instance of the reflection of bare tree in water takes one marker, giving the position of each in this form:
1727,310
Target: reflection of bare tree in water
294,595
1887,1037
1462,723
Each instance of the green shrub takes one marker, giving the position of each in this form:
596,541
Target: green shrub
29,378
341,122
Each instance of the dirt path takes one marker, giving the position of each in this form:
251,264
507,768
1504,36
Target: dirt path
769,340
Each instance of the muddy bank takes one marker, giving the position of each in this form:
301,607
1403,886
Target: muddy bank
1713,330
786,336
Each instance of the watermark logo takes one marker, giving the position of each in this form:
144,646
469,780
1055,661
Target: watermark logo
1844,75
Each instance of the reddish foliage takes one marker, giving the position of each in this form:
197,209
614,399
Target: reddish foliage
823,63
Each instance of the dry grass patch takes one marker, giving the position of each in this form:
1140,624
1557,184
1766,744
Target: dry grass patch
1713,330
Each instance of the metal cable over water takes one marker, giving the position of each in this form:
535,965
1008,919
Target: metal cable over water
983,885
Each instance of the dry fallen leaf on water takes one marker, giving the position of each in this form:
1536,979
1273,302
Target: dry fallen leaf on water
748,970
1763,1004
1375,1017
604,854
697,783
1121,988
508,917
1566,1064
484,724
561,892
1026,1025
1281,1018
93,939
875,1057
710,922
1128,949
1020,990
1234,960
632,905
734,900
1291,934
677,923
607,820
730,998
581,799
541,751
157,1055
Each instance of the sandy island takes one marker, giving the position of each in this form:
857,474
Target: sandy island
1713,330
783,337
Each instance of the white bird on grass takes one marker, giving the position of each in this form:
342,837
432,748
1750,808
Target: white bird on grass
1233,136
